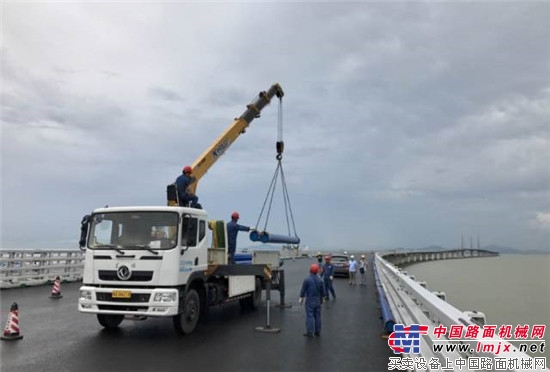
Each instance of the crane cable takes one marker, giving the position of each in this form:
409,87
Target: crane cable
278,170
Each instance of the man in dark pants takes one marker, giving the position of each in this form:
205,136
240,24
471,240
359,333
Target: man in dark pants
328,275
233,229
320,261
182,183
313,291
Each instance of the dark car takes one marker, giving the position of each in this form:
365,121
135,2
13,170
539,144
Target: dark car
341,264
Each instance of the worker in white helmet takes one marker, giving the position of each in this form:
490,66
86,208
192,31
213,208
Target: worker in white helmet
362,270
352,270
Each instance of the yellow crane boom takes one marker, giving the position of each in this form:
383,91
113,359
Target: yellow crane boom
239,125
203,163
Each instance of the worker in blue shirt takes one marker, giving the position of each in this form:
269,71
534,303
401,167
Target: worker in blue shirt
313,291
233,229
182,184
328,274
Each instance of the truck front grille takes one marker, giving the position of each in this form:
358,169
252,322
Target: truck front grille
137,276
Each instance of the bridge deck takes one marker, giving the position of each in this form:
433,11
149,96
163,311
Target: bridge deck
58,338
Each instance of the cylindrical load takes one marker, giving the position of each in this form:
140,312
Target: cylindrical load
385,309
254,236
243,258
266,237
387,315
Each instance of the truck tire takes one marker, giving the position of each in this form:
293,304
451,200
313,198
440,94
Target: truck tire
110,321
253,301
186,322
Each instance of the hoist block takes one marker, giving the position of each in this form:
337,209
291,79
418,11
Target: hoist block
266,237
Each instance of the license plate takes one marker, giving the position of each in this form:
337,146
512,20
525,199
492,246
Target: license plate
121,294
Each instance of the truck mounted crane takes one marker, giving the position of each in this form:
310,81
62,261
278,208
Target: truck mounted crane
203,163
155,261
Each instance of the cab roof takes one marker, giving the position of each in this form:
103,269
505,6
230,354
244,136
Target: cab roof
164,208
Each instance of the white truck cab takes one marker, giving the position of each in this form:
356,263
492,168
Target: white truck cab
157,261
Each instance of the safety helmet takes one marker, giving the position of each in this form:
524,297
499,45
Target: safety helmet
187,169
235,216
327,258
314,269
362,256
351,256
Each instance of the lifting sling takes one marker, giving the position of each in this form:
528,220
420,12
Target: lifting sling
264,236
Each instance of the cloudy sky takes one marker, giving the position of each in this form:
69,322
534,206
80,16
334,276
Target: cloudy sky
406,124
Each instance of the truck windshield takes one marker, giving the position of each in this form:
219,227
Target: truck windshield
134,230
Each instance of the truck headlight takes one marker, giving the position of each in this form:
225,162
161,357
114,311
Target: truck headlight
85,294
165,297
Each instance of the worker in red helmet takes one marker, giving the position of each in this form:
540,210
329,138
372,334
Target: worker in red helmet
328,275
233,229
185,196
313,292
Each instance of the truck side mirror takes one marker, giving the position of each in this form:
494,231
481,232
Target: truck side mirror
185,232
83,232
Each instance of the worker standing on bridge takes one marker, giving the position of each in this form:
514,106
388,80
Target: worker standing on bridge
313,291
182,184
320,262
328,275
352,270
233,229
319,258
362,269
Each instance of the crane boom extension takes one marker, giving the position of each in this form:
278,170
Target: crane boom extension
239,125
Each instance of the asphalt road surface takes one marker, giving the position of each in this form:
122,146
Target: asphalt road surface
56,337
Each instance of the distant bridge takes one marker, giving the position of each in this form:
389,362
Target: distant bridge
408,258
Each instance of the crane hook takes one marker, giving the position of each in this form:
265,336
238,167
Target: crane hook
280,146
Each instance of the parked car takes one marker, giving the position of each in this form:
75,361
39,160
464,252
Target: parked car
341,264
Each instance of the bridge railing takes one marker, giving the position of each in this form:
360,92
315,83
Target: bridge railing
411,303
25,267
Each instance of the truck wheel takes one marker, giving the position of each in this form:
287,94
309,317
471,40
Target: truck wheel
109,321
186,322
253,301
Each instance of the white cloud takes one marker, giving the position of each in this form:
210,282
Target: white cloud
394,114
492,152
542,221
